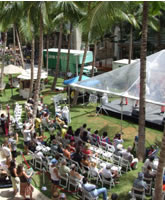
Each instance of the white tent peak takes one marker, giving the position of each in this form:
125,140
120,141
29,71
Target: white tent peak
125,81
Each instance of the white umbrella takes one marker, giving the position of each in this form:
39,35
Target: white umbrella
12,69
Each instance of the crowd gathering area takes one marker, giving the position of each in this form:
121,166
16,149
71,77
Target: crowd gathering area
80,164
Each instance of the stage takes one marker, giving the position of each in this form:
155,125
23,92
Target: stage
153,116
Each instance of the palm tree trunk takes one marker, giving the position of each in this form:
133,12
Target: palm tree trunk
14,44
69,45
81,72
143,54
160,170
32,67
20,49
3,59
130,45
58,58
94,58
47,52
37,86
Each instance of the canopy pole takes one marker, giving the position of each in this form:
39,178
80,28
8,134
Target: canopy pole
76,66
69,97
121,121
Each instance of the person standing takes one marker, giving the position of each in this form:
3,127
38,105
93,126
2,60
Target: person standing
2,122
27,137
13,173
26,188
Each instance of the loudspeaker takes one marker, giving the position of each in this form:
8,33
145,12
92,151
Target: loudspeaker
135,112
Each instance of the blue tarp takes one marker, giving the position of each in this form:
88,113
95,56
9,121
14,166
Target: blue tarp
75,80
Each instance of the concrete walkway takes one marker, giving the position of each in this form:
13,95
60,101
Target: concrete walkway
7,194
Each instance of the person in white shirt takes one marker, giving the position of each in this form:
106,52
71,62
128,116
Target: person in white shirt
106,172
54,174
27,137
148,162
6,152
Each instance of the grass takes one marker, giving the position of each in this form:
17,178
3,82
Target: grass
79,115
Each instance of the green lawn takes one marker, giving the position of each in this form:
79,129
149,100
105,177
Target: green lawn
86,114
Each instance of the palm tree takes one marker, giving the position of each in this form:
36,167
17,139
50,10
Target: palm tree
160,170
143,54
3,58
100,15
58,57
66,11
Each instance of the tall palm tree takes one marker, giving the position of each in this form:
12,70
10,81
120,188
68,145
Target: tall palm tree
3,58
100,15
143,54
160,170
66,11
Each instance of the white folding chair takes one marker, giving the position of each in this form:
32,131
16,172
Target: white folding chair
116,159
64,180
93,175
125,165
73,184
110,182
38,163
149,182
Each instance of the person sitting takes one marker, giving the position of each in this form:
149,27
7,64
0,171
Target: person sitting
93,168
105,138
82,129
93,190
139,183
67,152
74,174
72,146
85,161
63,169
59,120
149,173
77,157
86,150
96,137
148,162
106,172
118,150
70,131
84,136
129,157
117,140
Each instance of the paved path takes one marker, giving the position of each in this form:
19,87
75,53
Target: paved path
7,194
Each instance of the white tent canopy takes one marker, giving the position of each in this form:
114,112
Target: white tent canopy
12,69
26,75
125,81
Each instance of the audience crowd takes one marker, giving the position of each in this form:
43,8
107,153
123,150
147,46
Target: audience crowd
80,155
